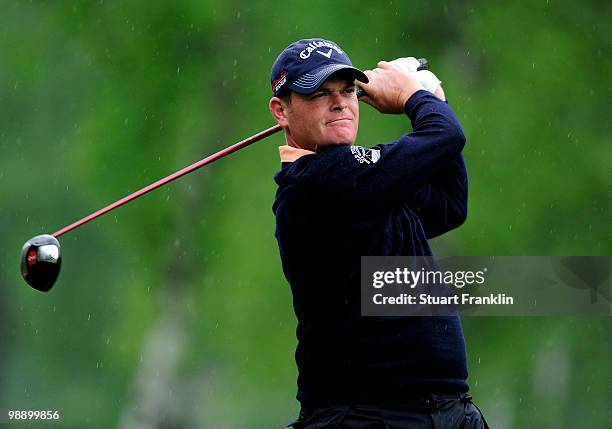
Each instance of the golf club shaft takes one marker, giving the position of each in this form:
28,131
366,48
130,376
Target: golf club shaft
233,148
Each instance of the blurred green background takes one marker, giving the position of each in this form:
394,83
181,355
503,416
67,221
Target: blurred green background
173,312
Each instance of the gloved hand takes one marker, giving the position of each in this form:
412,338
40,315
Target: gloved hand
388,88
410,65
429,80
407,64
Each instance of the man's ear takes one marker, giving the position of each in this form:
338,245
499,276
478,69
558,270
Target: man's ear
278,108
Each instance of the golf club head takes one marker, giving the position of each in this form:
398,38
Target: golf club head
41,258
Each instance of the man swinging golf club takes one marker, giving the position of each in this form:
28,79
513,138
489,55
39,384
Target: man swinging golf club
336,202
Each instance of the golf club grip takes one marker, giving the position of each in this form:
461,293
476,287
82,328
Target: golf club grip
424,66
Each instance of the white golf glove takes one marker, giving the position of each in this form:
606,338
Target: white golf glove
410,65
406,65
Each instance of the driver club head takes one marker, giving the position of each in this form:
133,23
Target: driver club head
41,258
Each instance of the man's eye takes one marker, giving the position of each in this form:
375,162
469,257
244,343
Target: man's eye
318,95
350,90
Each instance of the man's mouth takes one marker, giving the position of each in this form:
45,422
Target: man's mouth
339,121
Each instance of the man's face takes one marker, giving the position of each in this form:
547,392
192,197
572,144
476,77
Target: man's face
327,117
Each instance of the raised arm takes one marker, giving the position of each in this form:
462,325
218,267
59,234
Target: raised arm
388,173
442,204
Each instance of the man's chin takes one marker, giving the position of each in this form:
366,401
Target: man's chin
338,143
345,139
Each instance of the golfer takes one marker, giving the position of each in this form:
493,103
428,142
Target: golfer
336,202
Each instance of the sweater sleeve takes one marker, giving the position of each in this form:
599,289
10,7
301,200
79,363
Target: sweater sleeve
442,204
388,173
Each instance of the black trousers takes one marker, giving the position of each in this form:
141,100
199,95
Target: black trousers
430,411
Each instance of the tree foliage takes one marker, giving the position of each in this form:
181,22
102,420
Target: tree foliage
174,310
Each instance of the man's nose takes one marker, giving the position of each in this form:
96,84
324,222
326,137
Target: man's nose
338,101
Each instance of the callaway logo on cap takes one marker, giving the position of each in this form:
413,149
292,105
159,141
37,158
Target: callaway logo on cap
304,65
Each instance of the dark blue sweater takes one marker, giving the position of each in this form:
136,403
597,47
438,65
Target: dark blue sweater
344,202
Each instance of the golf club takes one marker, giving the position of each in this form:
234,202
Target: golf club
41,256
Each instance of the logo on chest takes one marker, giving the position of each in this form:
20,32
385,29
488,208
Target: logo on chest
363,155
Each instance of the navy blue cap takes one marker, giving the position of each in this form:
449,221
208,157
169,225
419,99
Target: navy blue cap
304,65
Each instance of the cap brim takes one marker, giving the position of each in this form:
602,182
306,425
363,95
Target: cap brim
310,82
